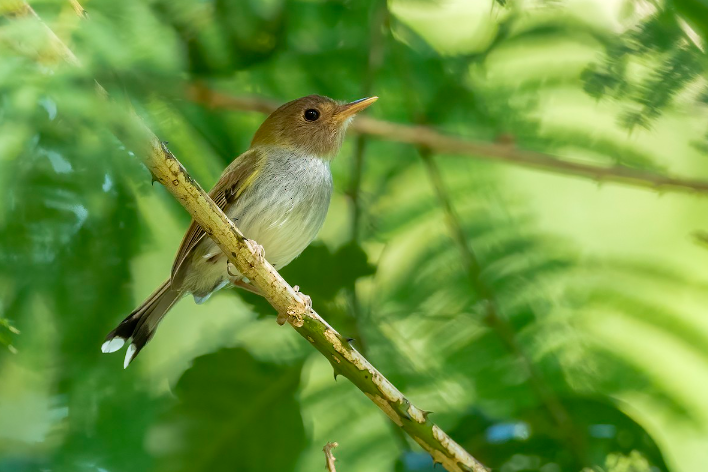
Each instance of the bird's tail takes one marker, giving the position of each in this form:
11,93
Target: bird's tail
139,327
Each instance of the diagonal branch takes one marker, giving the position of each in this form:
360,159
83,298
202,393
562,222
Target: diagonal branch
78,9
426,137
345,359
288,303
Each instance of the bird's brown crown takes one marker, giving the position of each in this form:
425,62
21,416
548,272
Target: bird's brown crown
313,125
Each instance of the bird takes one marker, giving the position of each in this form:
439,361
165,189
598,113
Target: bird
277,193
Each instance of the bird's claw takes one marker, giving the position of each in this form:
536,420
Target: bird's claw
305,298
258,249
260,254
295,313
228,269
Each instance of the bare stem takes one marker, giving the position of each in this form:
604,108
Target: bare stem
426,137
375,59
329,456
377,32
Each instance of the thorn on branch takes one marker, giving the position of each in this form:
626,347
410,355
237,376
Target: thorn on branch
79,10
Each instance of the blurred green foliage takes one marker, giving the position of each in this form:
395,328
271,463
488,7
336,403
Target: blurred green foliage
551,325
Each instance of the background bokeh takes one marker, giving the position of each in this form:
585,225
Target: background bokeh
552,323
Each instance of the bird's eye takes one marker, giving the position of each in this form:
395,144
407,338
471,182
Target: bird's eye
311,114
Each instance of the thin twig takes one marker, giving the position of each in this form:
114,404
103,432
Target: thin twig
375,58
374,62
329,456
292,308
377,30
424,136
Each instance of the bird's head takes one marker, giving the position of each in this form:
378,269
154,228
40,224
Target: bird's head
312,125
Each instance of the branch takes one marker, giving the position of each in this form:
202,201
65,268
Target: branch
290,306
359,313
329,457
78,9
374,61
292,309
426,137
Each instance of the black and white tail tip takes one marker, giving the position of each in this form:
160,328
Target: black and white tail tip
114,344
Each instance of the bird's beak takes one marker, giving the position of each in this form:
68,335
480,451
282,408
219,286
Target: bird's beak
348,110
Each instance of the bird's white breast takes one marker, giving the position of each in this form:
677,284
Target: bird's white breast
285,207
282,210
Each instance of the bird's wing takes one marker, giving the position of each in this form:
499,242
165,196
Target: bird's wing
237,177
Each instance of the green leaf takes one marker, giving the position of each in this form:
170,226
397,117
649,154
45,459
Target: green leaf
233,412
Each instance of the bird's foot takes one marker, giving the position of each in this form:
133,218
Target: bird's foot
240,283
305,298
239,280
257,248
229,272
296,313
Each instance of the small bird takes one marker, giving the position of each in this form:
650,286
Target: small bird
277,193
